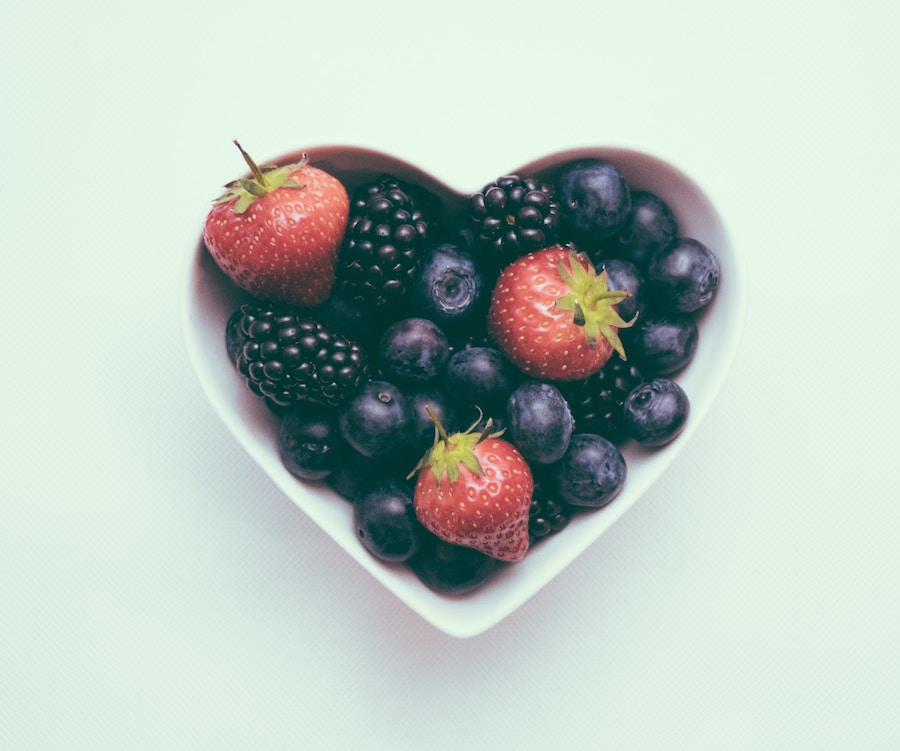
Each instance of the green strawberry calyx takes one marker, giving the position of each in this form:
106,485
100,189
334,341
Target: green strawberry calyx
592,302
449,451
263,180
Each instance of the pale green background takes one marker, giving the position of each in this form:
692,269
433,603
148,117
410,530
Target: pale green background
158,592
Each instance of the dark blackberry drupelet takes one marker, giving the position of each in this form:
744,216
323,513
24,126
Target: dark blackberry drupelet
384,243
596,402
548,514
513,216
288,357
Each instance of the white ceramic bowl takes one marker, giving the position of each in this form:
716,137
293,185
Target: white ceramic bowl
209,298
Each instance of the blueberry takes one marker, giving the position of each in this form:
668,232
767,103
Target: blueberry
481,376
683,276
351,319
540,423
376,420
624,275
413,351
650,226
594,199
309,443
656,412
662,344
386,521
356,474
451,569
449,289
591,472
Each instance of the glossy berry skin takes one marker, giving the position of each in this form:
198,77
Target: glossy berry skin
624,275
309,443
656,412
594,202
650,226
450,289
540,423
481,376
386,521
591,473
476,491
413,351
449,569
376,420
282,245
554,317
683,276
663,344
512,216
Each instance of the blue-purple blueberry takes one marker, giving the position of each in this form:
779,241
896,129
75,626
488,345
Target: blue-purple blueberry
413,351
481,376
309,442
594,201
386,523
656,412
662,344
540,423
376,420
591,473
683,276
625,276
650,226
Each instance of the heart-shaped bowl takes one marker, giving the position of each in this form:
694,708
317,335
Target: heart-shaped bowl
209,298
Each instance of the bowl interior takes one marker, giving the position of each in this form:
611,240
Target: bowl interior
209,298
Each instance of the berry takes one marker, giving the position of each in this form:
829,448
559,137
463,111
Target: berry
625,276
376,420
309,443
540,422
451,569
650,226
384,245
591,473
656,412
512,216
683,276
450,289
474,489
596,402
594,202
288,357
664,344
277,233
480,376
386,521
547,514
413,351
554,317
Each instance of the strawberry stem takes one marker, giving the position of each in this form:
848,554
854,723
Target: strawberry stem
254,167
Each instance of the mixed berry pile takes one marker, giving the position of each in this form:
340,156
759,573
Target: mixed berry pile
466,384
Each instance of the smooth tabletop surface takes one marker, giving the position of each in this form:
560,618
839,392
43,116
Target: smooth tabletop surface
158,590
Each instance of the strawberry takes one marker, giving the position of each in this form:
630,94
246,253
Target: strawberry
554,317
474,489
277,233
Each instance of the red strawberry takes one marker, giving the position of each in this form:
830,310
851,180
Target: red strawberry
474,489
277,233
554,317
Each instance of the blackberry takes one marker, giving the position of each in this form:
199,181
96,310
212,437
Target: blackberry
596,402
547,515
513,216
388,228
288,357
